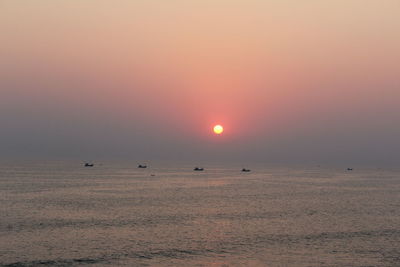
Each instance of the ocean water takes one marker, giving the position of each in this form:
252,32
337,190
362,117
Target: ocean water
62,214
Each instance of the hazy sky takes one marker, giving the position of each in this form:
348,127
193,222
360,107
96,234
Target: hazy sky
291,81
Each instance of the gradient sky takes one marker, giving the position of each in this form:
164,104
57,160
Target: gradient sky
292,81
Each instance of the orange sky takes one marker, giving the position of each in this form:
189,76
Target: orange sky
274,73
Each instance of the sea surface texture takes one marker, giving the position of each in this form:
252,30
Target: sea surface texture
114,214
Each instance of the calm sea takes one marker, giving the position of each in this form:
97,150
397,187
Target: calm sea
62,214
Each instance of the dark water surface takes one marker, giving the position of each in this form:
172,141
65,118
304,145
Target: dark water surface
62,214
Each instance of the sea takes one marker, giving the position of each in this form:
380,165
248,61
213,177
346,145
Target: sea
60,213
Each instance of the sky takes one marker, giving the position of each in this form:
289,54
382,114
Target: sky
291,81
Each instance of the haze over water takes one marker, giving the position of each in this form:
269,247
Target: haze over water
291,81
297,91
61,214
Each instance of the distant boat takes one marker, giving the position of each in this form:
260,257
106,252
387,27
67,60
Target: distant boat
349,169
198,169
89,164
140,166
246,170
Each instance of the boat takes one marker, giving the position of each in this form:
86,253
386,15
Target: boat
198,169
349,169
246,170
89,164
140,166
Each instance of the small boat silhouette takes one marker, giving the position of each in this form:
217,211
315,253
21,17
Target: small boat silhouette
89,164
198,169
140,166
349,169
246,170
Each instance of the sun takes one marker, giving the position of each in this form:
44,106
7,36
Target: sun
218,129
